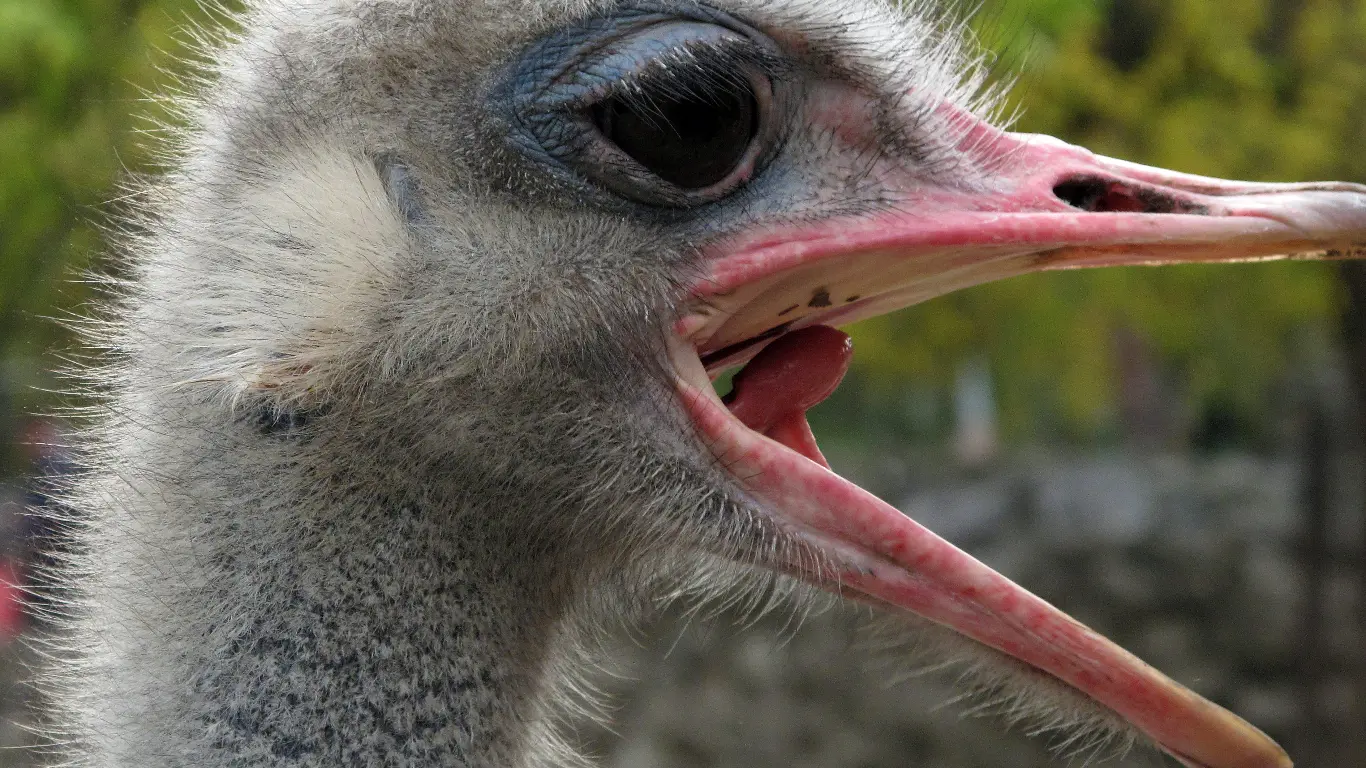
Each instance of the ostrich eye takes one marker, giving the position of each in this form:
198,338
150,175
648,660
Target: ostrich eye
670,110
691,140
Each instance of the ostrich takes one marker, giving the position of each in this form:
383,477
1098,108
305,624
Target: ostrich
406,389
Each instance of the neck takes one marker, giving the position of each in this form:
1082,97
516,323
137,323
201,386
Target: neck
271,628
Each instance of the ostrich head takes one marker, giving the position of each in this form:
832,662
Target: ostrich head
421,330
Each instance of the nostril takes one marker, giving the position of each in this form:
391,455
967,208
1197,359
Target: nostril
1084,194
1107,196
1098,195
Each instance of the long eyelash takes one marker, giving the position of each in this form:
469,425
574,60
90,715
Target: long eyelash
700,71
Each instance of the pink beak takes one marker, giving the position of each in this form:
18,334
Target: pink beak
1049,206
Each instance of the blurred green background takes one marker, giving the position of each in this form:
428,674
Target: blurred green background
1254,89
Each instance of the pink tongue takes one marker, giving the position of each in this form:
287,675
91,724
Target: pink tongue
793,373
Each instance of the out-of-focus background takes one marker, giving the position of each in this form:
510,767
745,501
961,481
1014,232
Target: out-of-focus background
1173,455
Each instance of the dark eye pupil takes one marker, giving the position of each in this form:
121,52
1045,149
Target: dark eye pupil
691,140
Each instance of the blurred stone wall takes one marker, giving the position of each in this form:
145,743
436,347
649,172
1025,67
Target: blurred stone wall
1193,564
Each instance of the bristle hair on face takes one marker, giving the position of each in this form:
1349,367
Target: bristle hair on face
907,647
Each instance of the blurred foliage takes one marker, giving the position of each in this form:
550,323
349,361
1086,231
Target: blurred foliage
72,77
1253,89
1261,89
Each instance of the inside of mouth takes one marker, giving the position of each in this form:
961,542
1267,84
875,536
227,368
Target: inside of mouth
795,372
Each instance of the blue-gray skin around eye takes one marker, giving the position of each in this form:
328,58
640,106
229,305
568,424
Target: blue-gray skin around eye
547,92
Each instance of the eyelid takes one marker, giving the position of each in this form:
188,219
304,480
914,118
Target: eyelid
696,70
642,57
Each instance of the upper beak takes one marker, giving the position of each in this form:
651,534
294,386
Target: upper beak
1048,206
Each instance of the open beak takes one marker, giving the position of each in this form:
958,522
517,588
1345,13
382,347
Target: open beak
1050,206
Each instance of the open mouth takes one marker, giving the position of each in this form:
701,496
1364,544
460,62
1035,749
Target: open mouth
872,551
773,297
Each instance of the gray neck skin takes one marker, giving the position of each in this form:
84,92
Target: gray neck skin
267,628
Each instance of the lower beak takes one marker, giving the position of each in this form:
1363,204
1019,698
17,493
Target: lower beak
1050,206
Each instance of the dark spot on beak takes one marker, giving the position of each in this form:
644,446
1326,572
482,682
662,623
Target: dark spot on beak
821,298
852,299
1100,195
789,309
1044,258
